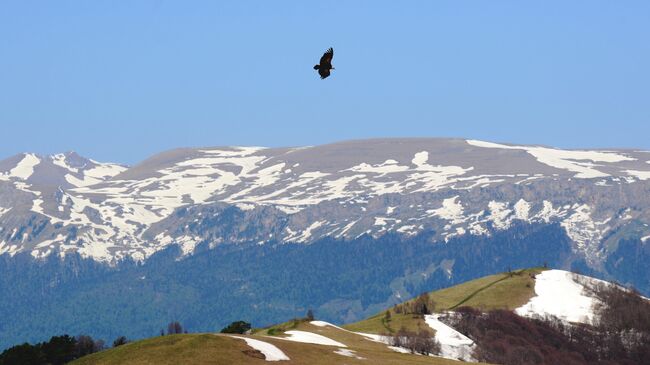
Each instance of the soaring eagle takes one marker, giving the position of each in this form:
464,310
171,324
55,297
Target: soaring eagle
325,64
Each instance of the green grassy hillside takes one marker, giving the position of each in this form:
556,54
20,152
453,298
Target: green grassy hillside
222,349
174,349
500,291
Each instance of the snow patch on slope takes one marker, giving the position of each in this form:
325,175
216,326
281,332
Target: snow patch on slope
641,175
453,344
387,167
408,229
308,337
91,176
9,249
583,230
3,211
499,213
522,209
270,351
327,324
558,294
348,353
60,160
547,211
25,168
574,161
235,152
451,210
104,171
306,234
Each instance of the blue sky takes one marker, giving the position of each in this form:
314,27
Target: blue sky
119,81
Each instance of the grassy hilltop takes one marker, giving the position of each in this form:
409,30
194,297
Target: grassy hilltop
501,291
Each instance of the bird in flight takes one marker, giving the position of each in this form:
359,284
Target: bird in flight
325,64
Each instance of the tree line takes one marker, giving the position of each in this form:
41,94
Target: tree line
63,349
59,350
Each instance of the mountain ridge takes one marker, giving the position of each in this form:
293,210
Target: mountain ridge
120,212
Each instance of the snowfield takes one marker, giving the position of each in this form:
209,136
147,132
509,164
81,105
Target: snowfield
453,344
271,352
559,295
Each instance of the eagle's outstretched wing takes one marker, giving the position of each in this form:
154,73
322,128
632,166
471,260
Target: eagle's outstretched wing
326,60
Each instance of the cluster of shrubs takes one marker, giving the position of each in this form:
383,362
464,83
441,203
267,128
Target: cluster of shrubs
620,336
420,342
239,327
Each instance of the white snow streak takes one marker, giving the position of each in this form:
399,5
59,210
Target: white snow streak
270,351
308,337
574,161
326,324
306,234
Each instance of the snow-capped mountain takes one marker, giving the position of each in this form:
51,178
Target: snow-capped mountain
68,204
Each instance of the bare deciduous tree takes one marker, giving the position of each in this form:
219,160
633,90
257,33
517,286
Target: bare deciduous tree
174,328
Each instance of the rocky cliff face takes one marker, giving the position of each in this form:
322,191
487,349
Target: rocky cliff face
68,204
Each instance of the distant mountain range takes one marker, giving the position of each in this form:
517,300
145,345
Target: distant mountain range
417,213
66,203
